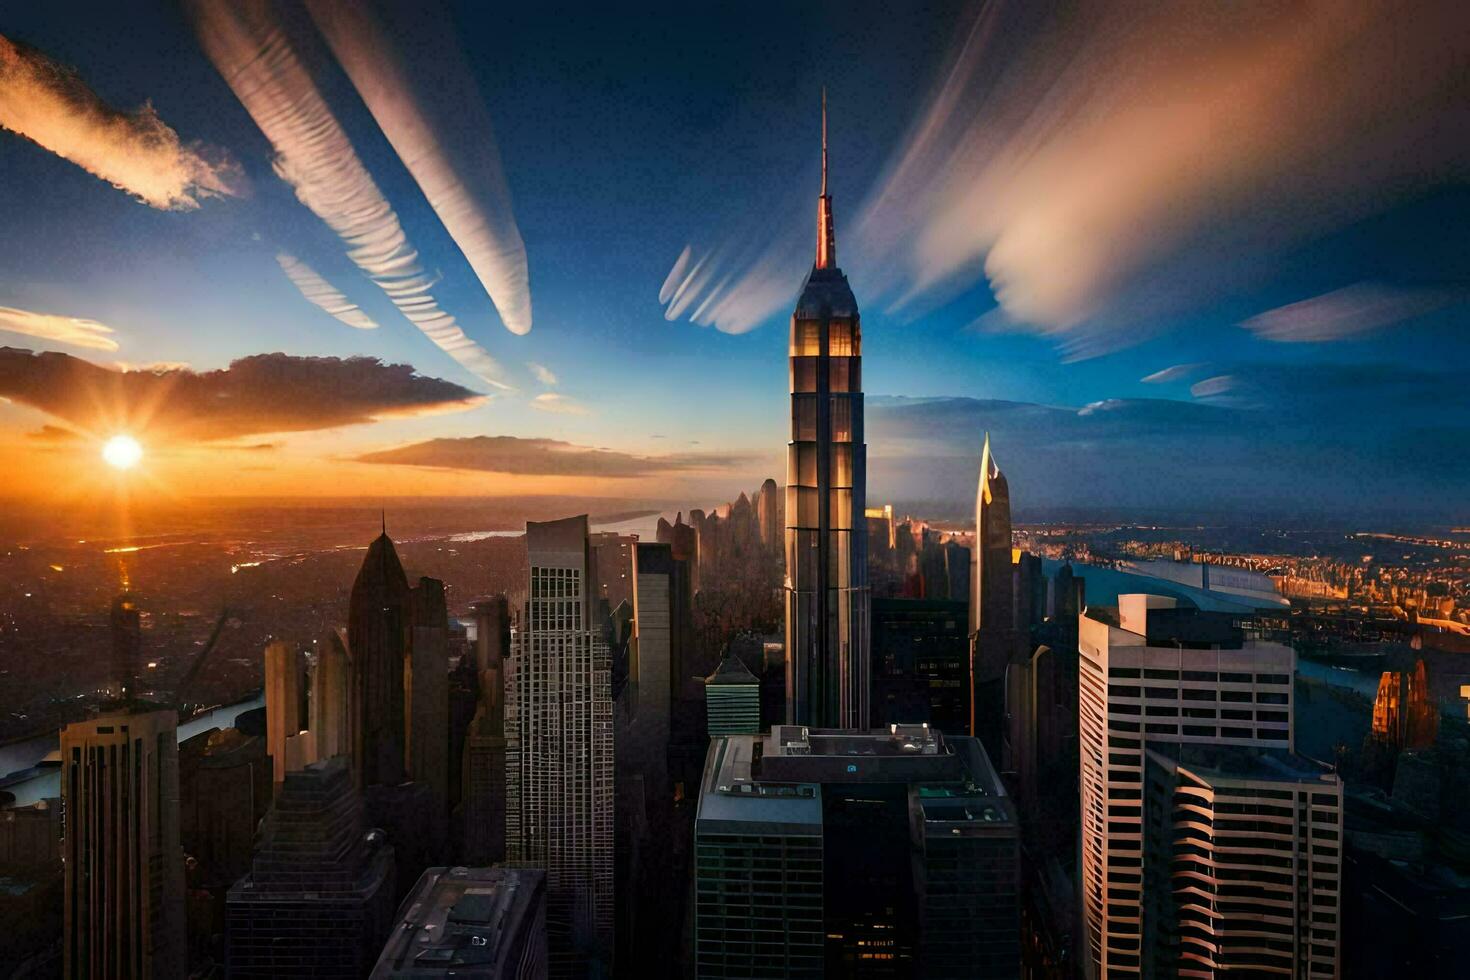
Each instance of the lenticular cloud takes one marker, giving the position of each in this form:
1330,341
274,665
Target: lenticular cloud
136,152
318,291
434,118
314,156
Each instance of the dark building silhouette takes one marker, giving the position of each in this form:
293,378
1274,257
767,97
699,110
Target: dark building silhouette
855,854
483,774
921,662
318,901
996,638
124,868
127,646
470,923
827,654
377,635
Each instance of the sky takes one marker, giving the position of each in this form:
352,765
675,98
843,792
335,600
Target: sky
1174,258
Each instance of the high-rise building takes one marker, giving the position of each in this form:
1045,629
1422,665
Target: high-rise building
559,751
856,854
426,690
288,745
483,775
829,677
318,901
470,923
1156,674
127,645
614,567
995,641
732,697
124,868
331,716
377,636
1242,863
768,513
921,663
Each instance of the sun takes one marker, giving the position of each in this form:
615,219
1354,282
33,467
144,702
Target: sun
122,452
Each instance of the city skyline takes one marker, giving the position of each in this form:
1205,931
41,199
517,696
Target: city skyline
1216,354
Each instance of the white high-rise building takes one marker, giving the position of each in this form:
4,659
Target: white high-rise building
1160,682
559,747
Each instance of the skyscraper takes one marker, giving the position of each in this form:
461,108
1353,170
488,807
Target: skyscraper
828,674
994,639
732,698
483,775
318,900
854,854
332,690
124,868
559,747
377,629
1181,687
127,645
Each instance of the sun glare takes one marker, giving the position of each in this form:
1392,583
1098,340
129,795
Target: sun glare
122,452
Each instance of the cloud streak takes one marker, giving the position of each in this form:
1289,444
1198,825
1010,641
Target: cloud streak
542,373
1256,125
558,404
319,292
60,329
1343,314
432,114
259,394
314,156
544,457
50,105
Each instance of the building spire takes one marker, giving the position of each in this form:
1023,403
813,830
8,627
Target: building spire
826,235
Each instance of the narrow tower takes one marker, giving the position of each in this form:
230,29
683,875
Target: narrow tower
994,641
827,671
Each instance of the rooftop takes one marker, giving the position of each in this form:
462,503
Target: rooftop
1243,762
465,922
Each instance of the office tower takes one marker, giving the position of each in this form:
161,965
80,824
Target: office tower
732,696
377,635
470,923
318,901
332,716
127,647
1242,862
426,690
124,868
768,513
829,676
921,662
1404,716
225,787
1155,672
614,567
684,541
289,747
884,853
559,740
483,773
995,640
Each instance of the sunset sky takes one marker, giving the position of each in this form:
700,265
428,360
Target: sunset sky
1169,257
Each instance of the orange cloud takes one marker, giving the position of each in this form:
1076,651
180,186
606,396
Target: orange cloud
49,104
60,329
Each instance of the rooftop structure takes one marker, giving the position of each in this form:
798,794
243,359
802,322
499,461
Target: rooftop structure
471,923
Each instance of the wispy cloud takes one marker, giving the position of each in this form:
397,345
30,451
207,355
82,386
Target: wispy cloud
314,156
59,329
545,457
49,104
323,294
551,401
1255,124
428,107
1177,372
542,374
1220,384
730,289
254,395
1343,314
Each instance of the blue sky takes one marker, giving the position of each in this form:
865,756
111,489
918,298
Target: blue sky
1065,161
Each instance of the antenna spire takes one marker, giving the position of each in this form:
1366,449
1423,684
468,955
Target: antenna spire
826,236
824,141
384,514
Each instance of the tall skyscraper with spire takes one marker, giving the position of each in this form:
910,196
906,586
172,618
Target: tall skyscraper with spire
828,678
377,624
994,639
